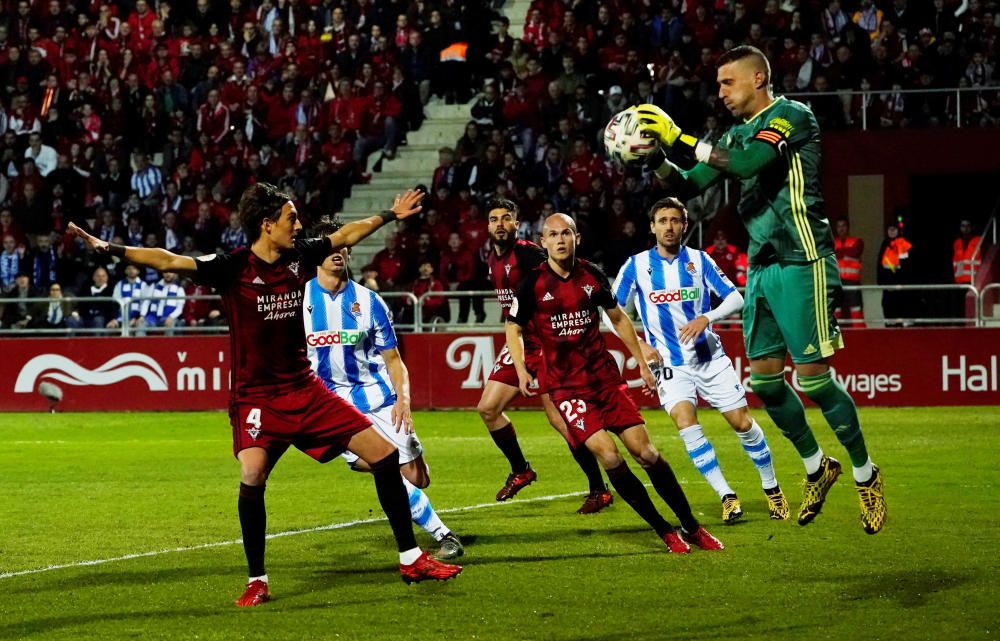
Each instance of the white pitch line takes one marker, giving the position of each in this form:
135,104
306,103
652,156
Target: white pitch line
320,528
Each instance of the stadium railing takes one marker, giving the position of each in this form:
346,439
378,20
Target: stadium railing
980,317
953,110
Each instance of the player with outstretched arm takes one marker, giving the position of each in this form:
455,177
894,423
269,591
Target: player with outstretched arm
276,400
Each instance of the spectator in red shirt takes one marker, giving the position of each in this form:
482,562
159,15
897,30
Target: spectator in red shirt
379,129
434,307
391,264
473,229
458,269
281,114
724,254
438,229
583,165
213,118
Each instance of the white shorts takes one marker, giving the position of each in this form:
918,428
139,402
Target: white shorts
715,381
408,444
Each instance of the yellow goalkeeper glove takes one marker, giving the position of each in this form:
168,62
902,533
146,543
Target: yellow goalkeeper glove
655,122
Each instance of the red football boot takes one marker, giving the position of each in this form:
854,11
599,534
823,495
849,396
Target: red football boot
515,483
596,501
675,543
255,595
703,539
427,568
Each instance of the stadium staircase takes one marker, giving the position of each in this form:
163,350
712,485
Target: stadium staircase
415,162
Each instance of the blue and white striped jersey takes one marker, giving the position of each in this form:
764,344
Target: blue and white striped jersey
171,307
127,290
344,334
671,293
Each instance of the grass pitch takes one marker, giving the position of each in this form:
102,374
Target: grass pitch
85,487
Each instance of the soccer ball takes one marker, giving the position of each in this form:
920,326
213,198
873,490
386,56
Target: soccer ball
624,142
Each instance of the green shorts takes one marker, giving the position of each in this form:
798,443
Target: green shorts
789,308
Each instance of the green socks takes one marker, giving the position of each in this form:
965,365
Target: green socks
786,410
840,412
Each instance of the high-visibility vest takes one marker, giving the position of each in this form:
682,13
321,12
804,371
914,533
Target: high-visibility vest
455,52
966,257
849,253
894,252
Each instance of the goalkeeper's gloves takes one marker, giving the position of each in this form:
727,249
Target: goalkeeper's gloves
655,122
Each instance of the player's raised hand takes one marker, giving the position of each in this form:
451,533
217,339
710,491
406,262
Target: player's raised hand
93,242
648,379
524,383
655,122
401,417
693,330
408,204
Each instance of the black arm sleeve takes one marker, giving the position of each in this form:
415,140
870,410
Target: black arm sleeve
522,308
314,250
217,270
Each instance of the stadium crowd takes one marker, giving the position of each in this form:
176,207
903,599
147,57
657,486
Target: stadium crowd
144,121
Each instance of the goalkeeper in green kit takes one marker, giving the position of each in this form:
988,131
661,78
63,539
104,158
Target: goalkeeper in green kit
793,279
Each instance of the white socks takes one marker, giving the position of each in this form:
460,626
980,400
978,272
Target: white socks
703,456
755,445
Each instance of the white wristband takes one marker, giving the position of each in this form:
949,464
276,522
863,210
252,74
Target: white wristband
702,151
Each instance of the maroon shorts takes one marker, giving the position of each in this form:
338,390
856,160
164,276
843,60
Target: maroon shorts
504,372
311,417
588,412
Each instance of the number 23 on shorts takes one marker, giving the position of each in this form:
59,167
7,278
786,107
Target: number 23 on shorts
575,412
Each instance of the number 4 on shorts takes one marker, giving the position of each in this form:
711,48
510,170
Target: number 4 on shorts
253,419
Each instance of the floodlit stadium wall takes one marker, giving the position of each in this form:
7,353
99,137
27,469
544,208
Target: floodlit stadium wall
882,367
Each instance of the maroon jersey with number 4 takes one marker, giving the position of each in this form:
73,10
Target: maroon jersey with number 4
263,303
508,270
565,314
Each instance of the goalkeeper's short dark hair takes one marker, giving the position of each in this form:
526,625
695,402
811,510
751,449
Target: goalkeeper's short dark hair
668,203
505,204
747,51
325,226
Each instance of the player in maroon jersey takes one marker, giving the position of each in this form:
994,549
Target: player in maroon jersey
562,299
509,261
276,400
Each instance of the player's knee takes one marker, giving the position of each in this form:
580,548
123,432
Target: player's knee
488,411
740,420
646,455
769,388
253,475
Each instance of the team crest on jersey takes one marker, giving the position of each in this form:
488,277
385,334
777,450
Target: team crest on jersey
294,267
506,269
589,289
253,432
356,308
691,268
580,425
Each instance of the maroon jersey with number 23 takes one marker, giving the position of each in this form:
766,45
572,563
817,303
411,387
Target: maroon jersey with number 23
565,314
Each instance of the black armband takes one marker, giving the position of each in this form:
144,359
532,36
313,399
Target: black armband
116,250
387,216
